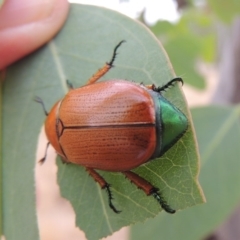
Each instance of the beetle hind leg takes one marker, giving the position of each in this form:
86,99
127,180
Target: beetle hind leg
110,198
104,185
149,189
156,194
102,71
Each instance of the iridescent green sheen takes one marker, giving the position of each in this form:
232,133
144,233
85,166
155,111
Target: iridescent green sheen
173,124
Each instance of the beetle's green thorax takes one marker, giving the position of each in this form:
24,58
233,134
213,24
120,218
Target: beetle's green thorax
174,124
171,124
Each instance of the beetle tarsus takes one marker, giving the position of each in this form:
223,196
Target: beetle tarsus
161,201
110,198
115,54
39,100
167,85
42,160
104,185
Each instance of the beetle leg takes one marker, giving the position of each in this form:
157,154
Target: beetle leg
102,71
69,84
104,185
149,189
64,161
167,85
150,87
39,100
41,161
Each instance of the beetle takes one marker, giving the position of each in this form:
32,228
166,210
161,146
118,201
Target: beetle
114,125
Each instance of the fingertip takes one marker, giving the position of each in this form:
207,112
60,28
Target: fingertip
26,25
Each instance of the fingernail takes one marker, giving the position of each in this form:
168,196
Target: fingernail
14,12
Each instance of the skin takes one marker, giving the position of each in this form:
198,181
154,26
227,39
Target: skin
26,25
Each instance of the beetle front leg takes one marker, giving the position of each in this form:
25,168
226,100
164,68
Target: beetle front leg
168,84
104,185
149,189
164,87
150,87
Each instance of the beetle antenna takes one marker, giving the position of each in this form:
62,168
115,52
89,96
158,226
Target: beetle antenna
41,161
115,53
167,85
110,198
161,201
39,100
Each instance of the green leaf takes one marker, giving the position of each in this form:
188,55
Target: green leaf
218,134
84,44
225,10
19,139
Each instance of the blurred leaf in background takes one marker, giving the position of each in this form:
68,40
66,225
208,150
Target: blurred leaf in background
226,11
188,42
193,39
